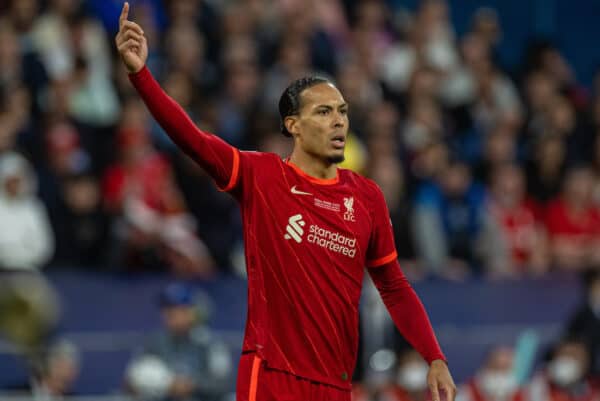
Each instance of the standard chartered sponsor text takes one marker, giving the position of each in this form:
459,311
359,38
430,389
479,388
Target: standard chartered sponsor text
333,241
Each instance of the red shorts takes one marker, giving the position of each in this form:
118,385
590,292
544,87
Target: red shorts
256,382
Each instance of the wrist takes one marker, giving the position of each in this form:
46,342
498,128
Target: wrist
135,70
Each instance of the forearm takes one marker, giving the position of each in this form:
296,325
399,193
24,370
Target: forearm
406,310
212,153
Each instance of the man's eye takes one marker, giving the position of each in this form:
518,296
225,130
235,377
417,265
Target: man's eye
324,112
344,111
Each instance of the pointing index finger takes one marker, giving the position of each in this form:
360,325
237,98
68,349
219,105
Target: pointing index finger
124,14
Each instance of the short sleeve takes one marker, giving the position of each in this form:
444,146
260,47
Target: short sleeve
382,249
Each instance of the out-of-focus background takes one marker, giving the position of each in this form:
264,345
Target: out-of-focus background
122,268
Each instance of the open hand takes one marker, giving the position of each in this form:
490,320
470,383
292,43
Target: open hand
439,378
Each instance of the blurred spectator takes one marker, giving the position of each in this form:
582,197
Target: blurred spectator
423,125
560,119
388,173
14,118
59,373
186,55
514,242
429,164
448,222
362,94
410,383
494,380
595,166
238,103
565,377
486,25
545,170
585,323
545,57
63,156
153,226
499,148
74,47
26,239
194,364
19,65
80,224
430,43
573,223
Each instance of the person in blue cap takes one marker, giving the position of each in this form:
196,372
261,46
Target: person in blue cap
185,357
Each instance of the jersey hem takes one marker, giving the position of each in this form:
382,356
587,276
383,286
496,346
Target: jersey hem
327,381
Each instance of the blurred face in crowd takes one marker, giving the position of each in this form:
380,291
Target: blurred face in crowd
13,185
456,179
578,187
82,195
433,14
8,132
386,171
321,126
23,13
508,185
241,84
179,319
424,82
486,25
569,364
550,154
63,369
539,89
475,50
412,372
371,15
496,378
65,7
186,48
9,46
183,10
561,115
500,147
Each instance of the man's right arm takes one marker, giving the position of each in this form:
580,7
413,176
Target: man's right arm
218,158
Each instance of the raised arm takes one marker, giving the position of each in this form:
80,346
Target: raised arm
218,158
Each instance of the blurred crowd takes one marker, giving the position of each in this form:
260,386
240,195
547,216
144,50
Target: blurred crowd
488,170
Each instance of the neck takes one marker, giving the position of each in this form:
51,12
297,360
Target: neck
315,167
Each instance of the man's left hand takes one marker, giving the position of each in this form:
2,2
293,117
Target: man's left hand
440,380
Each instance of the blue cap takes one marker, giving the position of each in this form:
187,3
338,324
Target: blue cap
176,294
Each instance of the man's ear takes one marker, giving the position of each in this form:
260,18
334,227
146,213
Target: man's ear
291,124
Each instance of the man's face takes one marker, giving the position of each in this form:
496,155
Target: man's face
179,319
321,127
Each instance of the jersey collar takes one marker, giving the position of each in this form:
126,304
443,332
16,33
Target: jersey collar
314,180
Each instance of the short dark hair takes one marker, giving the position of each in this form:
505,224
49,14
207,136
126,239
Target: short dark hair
289,103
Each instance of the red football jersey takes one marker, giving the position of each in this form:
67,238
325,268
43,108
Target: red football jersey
307,243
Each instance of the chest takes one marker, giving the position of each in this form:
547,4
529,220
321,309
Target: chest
322,220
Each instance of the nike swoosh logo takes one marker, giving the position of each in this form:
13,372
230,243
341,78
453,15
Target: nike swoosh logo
298,192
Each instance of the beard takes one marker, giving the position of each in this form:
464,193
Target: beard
336,159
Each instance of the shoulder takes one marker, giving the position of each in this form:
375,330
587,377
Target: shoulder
355,179
255,157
